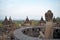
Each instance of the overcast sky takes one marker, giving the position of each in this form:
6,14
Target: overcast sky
34,9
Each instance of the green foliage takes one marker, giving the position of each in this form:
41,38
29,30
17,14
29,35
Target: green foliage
58,19
0,24
17,25
34,22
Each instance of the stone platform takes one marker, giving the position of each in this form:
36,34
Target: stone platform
19,35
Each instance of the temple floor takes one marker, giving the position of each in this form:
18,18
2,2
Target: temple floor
32,33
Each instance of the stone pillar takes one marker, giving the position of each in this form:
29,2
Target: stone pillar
49,30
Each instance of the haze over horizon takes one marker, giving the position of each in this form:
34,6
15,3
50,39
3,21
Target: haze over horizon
34,9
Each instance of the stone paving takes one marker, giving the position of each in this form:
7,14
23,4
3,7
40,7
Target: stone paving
18,34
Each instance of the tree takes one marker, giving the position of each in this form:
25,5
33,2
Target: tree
58,19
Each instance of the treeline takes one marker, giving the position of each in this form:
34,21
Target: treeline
58,19
17,22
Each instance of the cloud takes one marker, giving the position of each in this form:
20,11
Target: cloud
34,9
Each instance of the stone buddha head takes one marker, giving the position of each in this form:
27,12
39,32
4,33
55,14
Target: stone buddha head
48,15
